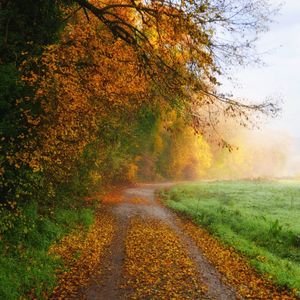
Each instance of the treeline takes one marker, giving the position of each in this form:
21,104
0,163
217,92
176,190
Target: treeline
78,110
95,94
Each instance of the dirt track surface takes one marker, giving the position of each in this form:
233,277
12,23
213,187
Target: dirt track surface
140,208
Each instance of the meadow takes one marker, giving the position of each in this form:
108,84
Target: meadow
260,219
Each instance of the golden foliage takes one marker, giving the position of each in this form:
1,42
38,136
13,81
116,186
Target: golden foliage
138,200
157,265
189,155
82,254
131,172
236,270
87,76
113,197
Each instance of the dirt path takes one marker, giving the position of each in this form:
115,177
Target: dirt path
151,256
139,249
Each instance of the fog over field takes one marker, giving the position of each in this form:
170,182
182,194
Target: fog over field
273,153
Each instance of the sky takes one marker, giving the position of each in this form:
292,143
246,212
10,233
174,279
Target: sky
280,77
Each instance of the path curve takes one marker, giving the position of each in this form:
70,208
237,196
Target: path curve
140,202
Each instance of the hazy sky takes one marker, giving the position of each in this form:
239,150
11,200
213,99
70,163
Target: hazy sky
281,76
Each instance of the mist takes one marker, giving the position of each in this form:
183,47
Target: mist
257,153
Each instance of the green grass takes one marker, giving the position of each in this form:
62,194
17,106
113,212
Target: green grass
261,219
24,261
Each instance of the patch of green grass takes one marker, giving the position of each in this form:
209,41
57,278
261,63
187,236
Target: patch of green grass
259,218
24,261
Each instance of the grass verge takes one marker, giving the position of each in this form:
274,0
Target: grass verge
259,219
27,270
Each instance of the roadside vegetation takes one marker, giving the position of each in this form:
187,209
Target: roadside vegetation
258,218
27,270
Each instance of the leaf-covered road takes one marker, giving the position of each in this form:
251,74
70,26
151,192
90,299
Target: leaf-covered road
154,254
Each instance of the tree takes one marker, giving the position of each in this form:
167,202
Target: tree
111,60
190,43
25,27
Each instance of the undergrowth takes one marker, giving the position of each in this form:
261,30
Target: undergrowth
27,271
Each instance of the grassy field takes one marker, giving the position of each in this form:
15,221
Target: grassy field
261,219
